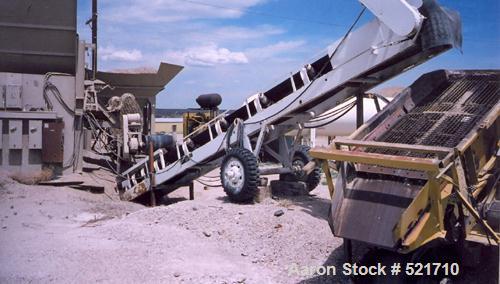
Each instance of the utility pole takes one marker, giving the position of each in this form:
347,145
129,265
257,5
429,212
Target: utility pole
94,39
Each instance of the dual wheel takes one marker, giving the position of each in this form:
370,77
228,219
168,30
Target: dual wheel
300,159
240,173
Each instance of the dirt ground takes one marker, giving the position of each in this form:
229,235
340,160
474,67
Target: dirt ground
64,235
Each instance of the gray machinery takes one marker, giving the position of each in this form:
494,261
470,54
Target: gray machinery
402,35
41,85
49,101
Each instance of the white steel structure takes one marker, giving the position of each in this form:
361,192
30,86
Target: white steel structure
402,35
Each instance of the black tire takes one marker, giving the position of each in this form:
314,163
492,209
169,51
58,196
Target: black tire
242,188
301,156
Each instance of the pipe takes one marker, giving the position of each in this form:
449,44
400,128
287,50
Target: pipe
152,183
274,171
359,110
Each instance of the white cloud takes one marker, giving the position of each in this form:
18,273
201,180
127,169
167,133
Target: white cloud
173,10
205,55
275,49
111,53
249,57
244,33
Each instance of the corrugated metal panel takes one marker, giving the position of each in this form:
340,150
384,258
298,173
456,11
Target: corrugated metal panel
37,37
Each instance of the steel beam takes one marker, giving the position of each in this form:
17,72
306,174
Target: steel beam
390,161
395,146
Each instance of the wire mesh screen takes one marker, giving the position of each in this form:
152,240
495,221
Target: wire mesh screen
445,116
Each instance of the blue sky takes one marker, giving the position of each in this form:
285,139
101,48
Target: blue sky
238,48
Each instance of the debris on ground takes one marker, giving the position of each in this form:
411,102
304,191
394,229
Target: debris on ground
279,213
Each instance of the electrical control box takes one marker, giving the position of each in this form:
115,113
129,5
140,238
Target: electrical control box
35,134
13,98
53,142
15,134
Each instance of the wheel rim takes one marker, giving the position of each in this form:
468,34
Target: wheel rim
299,164
234,175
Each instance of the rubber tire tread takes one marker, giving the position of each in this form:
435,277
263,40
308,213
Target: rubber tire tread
251,171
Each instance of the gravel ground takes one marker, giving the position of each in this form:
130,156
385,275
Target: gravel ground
64,235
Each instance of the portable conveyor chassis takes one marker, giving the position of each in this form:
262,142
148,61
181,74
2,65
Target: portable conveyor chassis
400,37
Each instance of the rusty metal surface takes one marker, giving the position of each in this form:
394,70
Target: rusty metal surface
447,114
141,188
370,209
390,161
53,142
443,109
139,82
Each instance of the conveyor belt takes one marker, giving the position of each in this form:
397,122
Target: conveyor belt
368,56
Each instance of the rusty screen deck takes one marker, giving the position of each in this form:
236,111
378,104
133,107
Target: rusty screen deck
446,115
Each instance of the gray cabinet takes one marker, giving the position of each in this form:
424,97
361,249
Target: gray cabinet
35,134
15,134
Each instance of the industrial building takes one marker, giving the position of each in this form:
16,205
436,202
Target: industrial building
168,125
46,86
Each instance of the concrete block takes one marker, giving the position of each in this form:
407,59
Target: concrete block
264,193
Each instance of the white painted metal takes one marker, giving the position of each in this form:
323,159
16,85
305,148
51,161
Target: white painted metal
313,137
353,58
364,49
347,123
125,137
28,115
31,98
35,134
130,124
401,17
15,134
13,96
234,175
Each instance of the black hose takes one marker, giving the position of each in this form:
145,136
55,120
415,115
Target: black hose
333,120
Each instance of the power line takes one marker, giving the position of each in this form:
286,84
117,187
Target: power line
249,11
320,73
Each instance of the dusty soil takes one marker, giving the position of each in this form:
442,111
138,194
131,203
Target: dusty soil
65,235
60,234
